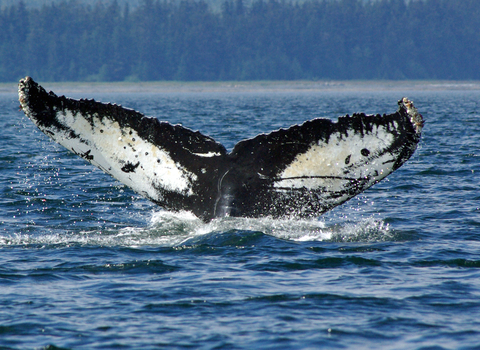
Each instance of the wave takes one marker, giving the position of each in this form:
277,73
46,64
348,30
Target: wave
174,229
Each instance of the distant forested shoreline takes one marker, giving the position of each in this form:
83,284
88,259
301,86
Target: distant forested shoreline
266,40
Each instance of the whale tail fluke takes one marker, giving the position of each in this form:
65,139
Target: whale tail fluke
301,171
308,169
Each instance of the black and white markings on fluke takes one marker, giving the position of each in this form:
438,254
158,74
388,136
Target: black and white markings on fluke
301,171
365,152
129,167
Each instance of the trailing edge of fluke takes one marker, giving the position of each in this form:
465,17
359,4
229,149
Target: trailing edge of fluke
301,171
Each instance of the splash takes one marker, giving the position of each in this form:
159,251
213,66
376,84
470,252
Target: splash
171,229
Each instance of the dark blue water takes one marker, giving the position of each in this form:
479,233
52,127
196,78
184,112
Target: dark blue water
87,264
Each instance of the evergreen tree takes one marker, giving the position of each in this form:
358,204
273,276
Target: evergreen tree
267,39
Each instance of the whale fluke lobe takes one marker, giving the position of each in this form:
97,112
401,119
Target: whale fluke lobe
301,171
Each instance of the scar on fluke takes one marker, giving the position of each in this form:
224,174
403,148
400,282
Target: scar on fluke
300,171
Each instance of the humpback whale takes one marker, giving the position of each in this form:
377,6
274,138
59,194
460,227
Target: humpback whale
301,171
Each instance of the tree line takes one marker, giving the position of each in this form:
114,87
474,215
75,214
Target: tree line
268,39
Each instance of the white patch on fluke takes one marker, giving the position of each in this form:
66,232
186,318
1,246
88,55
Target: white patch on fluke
326,163
208,155
147,167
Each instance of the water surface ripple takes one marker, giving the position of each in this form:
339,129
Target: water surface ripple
87,264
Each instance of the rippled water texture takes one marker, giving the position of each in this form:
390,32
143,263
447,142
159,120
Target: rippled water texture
87,264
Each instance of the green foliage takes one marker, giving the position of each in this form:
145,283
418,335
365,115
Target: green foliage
268,39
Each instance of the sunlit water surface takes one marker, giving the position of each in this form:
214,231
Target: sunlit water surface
87,264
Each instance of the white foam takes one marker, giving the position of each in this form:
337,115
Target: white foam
174,229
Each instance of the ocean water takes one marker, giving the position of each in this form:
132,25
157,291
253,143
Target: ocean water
87,264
